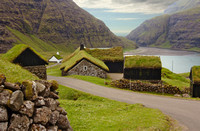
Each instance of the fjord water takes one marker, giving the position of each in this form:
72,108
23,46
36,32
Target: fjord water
176,61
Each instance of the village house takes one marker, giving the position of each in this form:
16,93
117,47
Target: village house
28,58
81,63
195,81
112,57
142,68
56,58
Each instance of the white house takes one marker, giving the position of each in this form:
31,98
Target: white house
56,58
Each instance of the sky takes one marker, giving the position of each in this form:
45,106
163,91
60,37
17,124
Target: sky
122,16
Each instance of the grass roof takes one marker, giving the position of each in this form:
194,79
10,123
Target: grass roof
13,53
112,54
79,56
71,55
196,74
149,62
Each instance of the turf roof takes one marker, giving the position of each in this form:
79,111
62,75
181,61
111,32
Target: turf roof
147,62
71,55
114,54
78,57
13,53
196,74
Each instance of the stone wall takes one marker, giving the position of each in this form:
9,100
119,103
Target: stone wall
148,87
31,106
39,71
86,68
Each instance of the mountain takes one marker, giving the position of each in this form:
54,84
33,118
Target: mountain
177,31
60,24
182,5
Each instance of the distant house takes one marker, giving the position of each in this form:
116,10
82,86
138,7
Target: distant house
56,58
112,57
142,68
28,58
81,63
195,81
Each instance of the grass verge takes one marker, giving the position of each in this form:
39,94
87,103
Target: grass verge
88,112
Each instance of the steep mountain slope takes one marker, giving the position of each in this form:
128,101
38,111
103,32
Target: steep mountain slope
177,31
182,5
60,22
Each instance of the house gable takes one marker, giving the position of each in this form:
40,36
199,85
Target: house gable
29,58
85,68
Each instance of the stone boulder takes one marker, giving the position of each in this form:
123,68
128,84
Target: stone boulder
3,126
37,127
27,108
5,96
3,114
19,123
39,101
63,123
42,115
54,117
16,100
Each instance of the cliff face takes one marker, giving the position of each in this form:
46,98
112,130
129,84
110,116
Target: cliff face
177,31
55,21
182,5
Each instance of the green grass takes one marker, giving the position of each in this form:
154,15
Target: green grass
151,62
92,79
79,56
15,73
175,79
112,54
88,112
186,75
54,71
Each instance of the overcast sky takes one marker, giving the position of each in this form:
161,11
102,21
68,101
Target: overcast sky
122,16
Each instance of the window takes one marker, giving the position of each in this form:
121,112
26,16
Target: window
85,68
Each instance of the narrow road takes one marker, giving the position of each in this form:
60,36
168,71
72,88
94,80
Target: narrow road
187,112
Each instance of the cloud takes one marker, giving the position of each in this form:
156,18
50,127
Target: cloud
126,19
127,6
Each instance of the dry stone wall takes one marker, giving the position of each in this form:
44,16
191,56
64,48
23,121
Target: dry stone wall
39,71
31,106
148,87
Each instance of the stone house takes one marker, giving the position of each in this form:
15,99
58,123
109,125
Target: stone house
28,58
195,81
81,63
112,57
56,58
142,68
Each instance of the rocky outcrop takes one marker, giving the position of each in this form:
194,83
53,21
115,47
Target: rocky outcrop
177,31
60,22
29,108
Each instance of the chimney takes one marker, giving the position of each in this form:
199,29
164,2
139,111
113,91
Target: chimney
82,47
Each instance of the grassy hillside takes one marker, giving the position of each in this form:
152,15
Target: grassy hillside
176,31
15,73
88,112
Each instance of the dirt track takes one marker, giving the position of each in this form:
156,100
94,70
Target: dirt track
187,112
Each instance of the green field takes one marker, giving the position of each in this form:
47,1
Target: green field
88,112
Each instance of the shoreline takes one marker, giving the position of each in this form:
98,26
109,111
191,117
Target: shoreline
159,51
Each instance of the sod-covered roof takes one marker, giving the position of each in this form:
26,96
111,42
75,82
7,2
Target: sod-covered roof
14,52
144,62
71,55
196,74
114,54
82,54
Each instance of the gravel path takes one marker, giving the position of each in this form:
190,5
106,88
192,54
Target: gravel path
187,112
